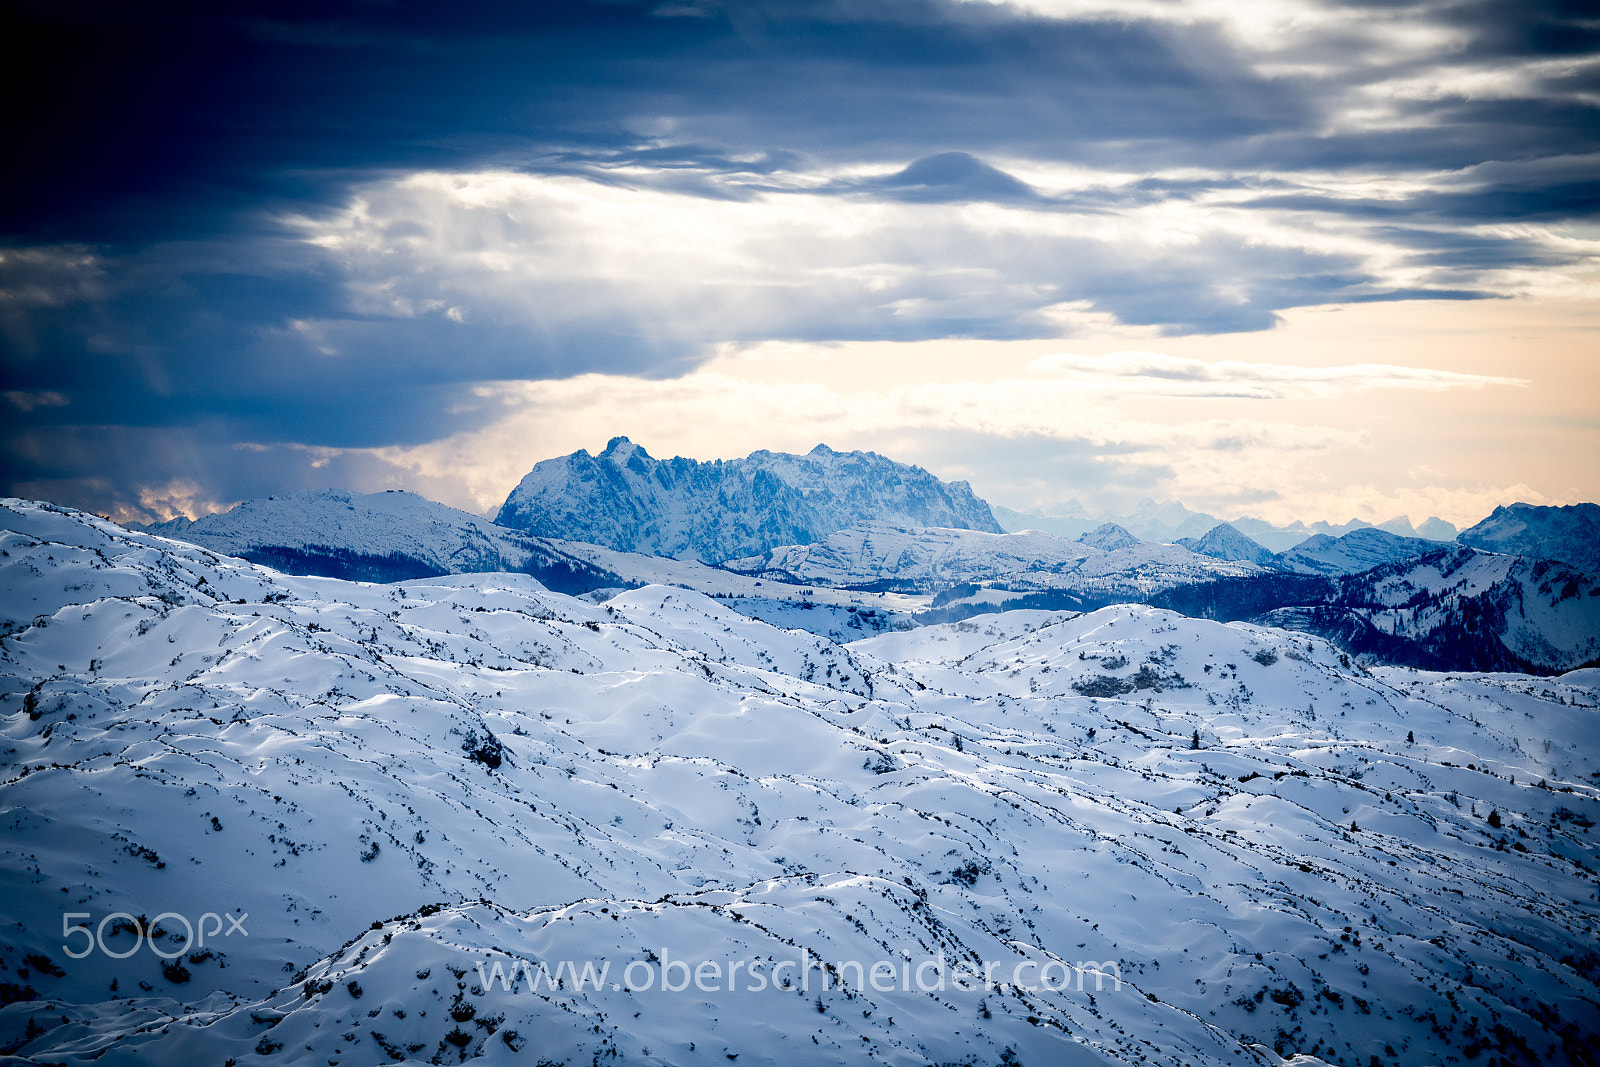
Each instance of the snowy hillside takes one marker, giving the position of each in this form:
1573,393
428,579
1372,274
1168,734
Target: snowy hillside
378,537
1121,837
1540,611
928,559
397,535
1453,609
625,499
837,614
914,557
1352,553
1570,534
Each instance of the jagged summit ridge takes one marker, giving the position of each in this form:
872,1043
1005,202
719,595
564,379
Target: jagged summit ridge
1570,534
626,499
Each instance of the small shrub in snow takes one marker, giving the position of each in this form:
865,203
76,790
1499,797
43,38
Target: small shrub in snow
1102,685
485,748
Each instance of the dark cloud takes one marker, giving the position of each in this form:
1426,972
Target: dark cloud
163,158
140,119
144,118
145,473
1493,203
1512,28
1470,251
268,342
148,119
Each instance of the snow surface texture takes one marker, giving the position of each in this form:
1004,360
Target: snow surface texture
1570,534
1278,852
625,499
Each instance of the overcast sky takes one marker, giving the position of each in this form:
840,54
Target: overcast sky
1290,258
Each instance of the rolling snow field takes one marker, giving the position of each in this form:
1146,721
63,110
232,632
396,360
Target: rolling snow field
259,819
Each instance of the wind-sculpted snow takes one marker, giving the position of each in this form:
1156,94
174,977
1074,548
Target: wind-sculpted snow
1159,839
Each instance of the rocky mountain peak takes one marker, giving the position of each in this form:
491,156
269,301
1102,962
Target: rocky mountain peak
625,499
1108,536
1570,534
1223,541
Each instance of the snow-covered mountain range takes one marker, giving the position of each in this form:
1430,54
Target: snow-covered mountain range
874,576
1146,837
919,559
625,499
1570,534
394,536
1351,553
1170,521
